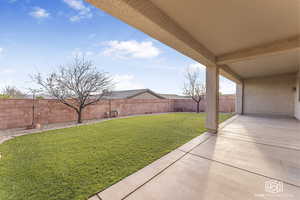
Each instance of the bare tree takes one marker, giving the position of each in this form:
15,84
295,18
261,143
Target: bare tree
77,85
13,92
193,87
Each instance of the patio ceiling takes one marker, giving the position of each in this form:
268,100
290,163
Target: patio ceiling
245,38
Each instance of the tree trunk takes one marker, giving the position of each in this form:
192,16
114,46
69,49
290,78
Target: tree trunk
198,107
79,114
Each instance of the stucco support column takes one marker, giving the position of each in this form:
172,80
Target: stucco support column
239,100
212,98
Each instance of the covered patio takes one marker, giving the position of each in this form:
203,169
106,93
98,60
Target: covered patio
256,44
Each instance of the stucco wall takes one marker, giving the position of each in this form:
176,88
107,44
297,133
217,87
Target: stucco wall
226,104
297,98
270,95
17,113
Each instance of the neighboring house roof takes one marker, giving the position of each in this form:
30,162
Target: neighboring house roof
127,94
174,96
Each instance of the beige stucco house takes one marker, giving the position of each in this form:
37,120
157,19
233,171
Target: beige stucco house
254,43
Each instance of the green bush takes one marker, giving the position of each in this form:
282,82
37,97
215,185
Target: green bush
4,96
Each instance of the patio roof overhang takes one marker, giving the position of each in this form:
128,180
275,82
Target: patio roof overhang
243,38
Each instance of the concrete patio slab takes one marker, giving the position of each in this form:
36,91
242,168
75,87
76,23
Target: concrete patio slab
195,142
270,161
94,198
194,178
283,132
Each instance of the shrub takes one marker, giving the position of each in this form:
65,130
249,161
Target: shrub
4,96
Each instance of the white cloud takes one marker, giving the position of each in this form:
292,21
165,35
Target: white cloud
7,71
89,53
75,4
39,13
126,82
2,52
227,86
131,49
84,12
196,67
80,53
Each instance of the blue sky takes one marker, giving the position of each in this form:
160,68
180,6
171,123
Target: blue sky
38,36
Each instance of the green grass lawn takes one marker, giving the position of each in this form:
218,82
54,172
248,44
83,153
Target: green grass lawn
74,163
